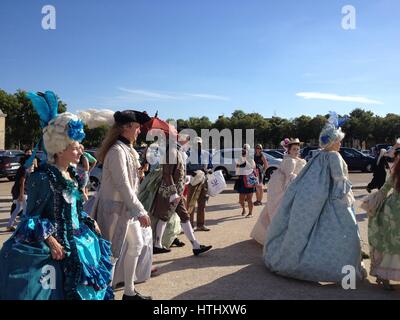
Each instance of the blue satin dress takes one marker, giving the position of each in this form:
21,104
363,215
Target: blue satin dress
27,270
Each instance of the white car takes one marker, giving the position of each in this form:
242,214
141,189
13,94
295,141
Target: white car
95,177
224,160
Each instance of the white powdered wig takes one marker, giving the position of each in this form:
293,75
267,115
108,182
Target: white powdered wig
55,134
96,118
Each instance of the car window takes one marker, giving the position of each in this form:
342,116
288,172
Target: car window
268,156
348,153
357,153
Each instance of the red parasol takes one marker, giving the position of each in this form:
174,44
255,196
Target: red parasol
157,123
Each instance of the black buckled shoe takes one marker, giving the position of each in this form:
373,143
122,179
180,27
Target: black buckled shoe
202,249
178,243
137,296
202,228
157,250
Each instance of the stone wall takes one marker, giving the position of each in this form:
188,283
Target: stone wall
2,130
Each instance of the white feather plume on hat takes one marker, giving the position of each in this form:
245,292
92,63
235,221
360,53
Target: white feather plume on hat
96,118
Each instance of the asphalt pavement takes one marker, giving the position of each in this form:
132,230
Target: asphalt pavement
234,269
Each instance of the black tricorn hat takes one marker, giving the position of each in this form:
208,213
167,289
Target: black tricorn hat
126,116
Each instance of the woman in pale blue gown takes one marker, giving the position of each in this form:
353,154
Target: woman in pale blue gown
314,235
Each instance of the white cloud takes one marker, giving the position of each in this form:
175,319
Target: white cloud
335,97
207,96
155,95
149,94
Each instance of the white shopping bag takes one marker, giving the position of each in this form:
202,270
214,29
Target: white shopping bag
216,183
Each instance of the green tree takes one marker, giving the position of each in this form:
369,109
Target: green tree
94,137
392,127
22,122
360,126
302,128
316,125
279,129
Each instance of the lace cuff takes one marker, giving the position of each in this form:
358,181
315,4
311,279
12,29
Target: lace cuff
34,229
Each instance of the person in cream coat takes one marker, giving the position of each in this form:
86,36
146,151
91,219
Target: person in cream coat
120,214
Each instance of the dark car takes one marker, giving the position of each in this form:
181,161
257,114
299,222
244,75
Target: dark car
311,154
356,160
377,148
380,146
9,163
305,152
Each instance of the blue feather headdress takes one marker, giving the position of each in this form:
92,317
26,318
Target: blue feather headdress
337,121
46,106
332,130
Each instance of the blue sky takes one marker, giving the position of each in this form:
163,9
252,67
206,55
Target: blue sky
193,58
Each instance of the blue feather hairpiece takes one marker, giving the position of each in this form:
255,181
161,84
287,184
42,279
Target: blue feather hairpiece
337,121
46,106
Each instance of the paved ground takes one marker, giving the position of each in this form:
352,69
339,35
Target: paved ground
233,269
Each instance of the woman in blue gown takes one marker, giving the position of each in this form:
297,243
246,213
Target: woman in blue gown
57,251
314,236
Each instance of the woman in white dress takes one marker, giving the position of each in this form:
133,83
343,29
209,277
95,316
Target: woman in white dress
280,180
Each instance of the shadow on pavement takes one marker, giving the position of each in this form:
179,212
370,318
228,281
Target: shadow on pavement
213,222
222,207
255,282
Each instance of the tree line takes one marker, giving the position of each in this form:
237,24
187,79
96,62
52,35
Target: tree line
363,130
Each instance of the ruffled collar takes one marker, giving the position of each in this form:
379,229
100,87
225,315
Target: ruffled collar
132,152
61,181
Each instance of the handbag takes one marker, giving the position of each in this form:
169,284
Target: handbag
251,180
216,183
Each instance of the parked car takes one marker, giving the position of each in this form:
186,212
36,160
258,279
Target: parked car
275,153
311,154
380,146
356,160
224,160
95,177
305,152
366,152
376,149
9,163
11,153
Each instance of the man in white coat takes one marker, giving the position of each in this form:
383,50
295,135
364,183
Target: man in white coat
119,214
